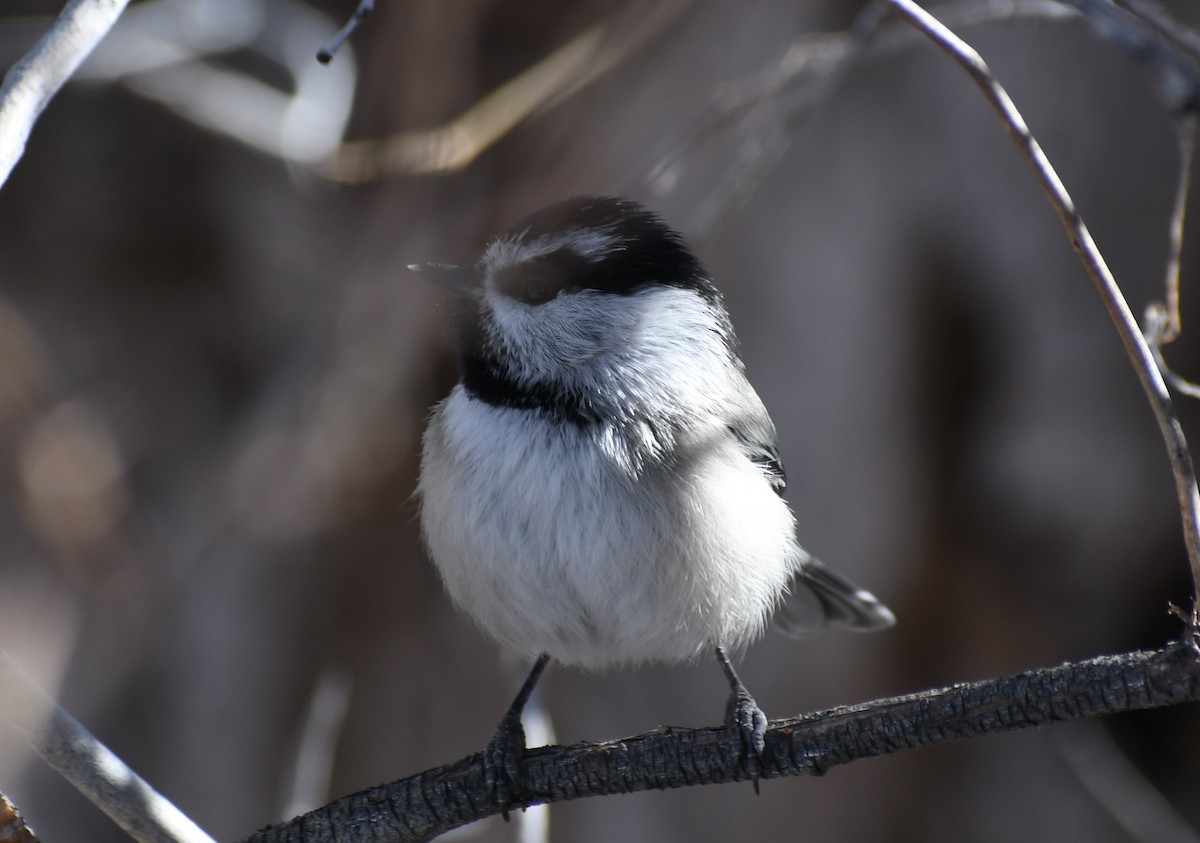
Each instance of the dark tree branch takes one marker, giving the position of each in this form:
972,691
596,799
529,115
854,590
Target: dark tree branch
430,803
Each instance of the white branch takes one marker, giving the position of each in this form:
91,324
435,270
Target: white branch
76,754
32,81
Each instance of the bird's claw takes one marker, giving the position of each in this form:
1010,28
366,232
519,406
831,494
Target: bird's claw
748,726
502,763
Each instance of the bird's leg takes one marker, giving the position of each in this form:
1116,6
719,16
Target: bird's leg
745,720
501,759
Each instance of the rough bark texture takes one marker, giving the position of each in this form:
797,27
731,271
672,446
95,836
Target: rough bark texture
438,800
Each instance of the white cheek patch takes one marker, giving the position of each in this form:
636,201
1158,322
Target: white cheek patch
675,343
556,338
654,344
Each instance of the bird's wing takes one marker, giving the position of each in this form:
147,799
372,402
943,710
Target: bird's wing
819,597
755,432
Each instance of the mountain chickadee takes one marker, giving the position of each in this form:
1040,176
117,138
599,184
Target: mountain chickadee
602,487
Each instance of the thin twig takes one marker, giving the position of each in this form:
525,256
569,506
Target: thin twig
1156,326
567,70
76,754
1162,322
365,7
1150,13
762,112
1187,147
31,82
1151,40
438,800
1081,240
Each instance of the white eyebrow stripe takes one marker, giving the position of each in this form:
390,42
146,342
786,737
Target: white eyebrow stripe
589,243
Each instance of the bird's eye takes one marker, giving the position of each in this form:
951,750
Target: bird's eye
537,280
537,290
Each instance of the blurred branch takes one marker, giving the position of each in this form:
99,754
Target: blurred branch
1093,261
762,113
31,82
1153,15
1162,323
438,800
560,75
72,751
170,51
1150,37
1120,788
1187,155
60,464
174,52
317,742
533,825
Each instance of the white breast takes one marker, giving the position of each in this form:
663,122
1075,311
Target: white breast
545,536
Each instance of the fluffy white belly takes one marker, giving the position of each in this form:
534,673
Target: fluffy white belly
565,546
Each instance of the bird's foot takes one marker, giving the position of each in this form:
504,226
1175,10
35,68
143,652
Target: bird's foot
502,757
502,762
748,726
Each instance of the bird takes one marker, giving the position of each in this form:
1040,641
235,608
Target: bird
603,486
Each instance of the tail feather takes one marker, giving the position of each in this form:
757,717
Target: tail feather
821,597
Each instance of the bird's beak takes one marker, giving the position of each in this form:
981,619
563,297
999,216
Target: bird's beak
460,279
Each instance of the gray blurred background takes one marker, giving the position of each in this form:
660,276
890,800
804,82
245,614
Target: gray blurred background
214,372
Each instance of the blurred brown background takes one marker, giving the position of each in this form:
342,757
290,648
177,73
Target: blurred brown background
214,371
